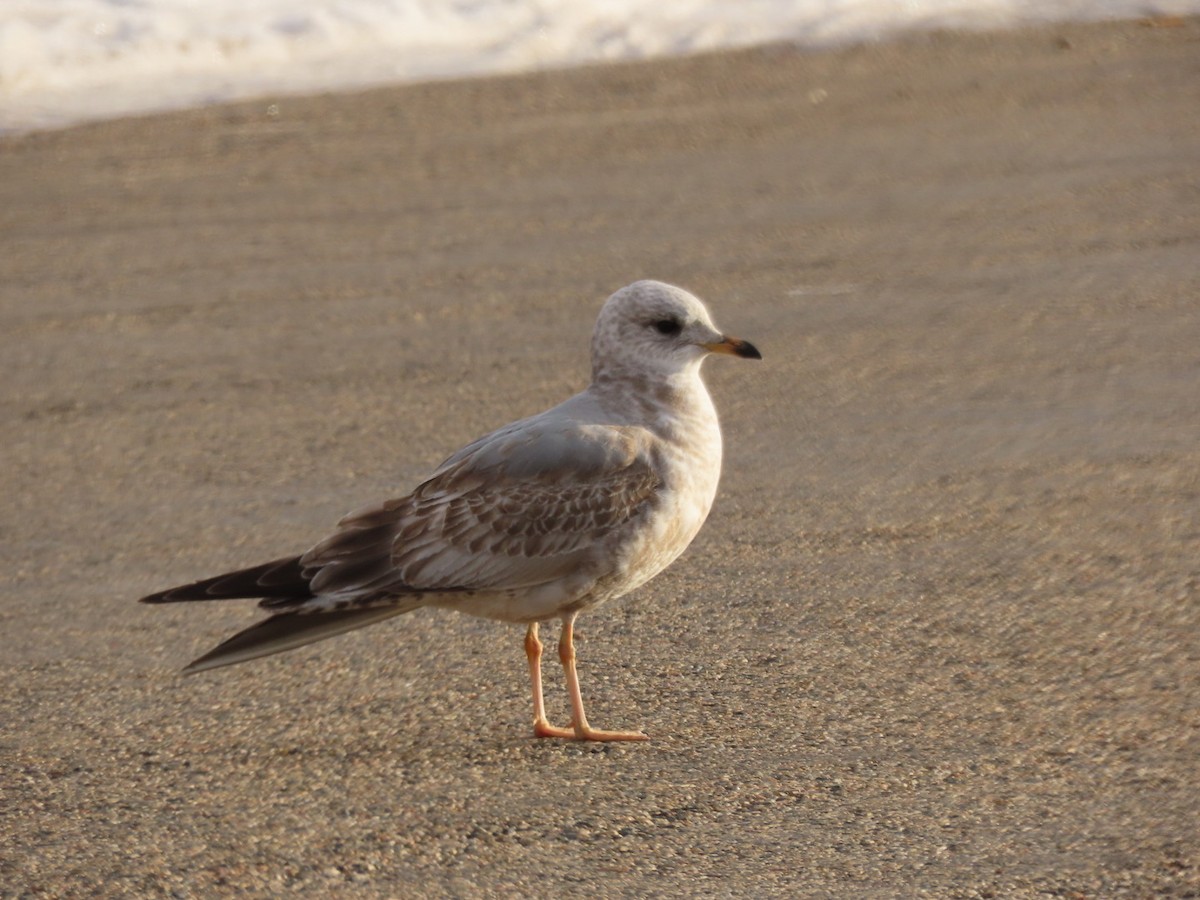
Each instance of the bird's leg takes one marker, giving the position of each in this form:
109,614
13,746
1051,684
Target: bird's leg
581,730
533,652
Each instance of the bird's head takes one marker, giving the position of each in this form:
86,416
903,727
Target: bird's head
654,329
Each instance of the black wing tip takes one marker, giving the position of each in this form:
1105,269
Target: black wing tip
179,594
280,578
289,631
160,597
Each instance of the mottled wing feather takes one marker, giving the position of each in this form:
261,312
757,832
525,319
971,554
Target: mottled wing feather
518,511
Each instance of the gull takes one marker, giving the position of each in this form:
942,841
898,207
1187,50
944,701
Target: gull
543,518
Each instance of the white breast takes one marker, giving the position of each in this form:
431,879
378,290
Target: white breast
690,456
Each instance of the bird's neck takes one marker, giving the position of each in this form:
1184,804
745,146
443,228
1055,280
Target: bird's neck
676,405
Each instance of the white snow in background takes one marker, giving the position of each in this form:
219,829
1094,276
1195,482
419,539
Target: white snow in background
64,61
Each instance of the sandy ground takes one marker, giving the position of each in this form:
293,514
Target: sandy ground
939,636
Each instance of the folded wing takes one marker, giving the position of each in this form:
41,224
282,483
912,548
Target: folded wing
520,509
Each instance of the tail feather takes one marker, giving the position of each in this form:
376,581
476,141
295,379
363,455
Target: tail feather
290,630
280,578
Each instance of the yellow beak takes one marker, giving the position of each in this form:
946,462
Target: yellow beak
734,347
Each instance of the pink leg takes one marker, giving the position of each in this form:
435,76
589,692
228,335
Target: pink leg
533,652
579,722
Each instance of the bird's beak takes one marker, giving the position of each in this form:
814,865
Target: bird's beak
734,347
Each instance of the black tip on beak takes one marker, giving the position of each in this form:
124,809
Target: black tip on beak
746,350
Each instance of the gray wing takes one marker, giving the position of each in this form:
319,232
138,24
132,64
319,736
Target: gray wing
521,507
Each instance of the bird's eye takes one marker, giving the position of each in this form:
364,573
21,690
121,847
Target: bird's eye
667,326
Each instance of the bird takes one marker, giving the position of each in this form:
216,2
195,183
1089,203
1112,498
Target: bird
543,518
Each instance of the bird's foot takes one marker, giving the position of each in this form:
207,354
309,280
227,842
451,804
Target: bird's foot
543,729
592,734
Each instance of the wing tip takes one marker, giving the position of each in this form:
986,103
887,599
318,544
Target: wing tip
179,594
289,631
196,666
281,579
